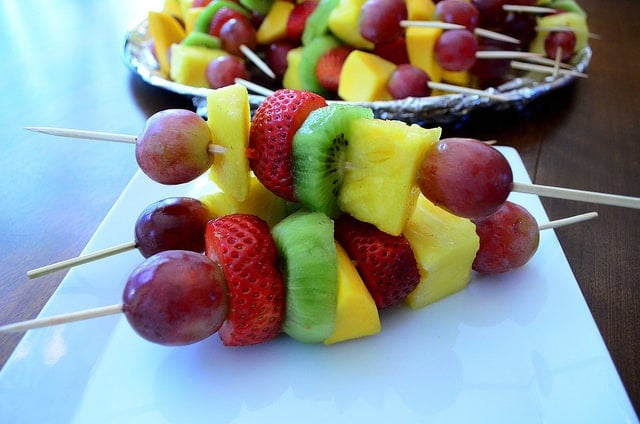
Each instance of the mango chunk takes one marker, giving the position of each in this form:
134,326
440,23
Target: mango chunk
444,246
364,77
421,44
343,23
274,25
189,64
420,10
291,77
357,314
165,31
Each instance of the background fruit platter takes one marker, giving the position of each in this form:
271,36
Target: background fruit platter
433,110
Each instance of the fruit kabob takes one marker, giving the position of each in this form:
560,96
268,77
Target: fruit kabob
276,125
368,50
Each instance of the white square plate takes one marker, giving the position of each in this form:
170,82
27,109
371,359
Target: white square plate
519,347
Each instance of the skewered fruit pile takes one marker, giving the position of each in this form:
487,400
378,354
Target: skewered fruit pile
325,226
359,50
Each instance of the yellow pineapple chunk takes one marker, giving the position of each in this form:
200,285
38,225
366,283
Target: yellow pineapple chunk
461,78
364,77
444,246
190,16
383,158
189,64
343,23
229,118
165,31
420,10
274,25
421,44
260,201
357,314
291,78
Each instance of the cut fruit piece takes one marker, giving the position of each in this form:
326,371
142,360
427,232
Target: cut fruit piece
356,314
291,78
420,10
229,119
274,25
319,150
343,22
308,263
445,246
243,246
385,262
317,24
165,31
189,64
310,56
364,77
380,186
575,21
421,44
260,201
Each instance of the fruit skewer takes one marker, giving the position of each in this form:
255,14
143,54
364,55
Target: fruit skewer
167,266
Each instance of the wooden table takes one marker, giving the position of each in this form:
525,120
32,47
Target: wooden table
62,67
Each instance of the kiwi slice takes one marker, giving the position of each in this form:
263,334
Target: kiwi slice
317,23
203,40
309,265
318,153
311,54
261,7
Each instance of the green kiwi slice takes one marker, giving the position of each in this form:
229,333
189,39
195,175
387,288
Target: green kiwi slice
318,154
317,23
259,6
309,58
309,265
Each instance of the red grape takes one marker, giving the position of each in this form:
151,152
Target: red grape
456,49
176,297
408,81
564,40
508,239
458,12
466,177
276,57
521,26
222,71
175,223
236,32
491,12
173,147
380,20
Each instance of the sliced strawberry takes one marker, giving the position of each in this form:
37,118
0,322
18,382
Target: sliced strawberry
272,129
222,16
298,18
329,67
386,263
243,246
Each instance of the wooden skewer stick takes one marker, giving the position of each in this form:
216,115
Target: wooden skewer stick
480,32
61,319
567,221
464,90
504,54
546,69
527,9
257,61
254,87
578,195
117,308
103,136
565,29
83,259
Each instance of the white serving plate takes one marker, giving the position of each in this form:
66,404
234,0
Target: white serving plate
521,347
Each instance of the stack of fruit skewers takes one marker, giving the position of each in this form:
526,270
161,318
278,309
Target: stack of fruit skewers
301,320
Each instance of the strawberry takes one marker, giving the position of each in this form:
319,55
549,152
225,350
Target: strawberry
329,67
386,263
222,16
298,18
274,124
243,246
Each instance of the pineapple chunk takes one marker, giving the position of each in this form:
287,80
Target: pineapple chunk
444,246
274,25
229,120
356,313
190,16
379,185
421,44
364,77
165,31
420,10
343,23
189,64
260,201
